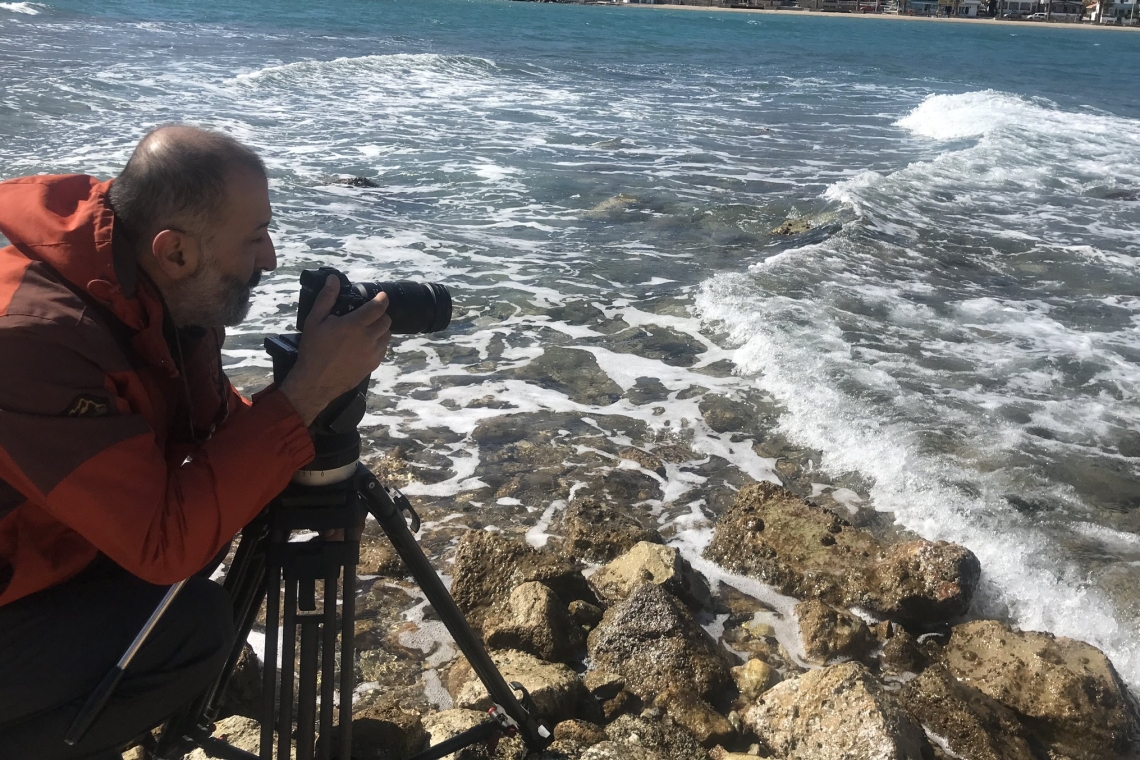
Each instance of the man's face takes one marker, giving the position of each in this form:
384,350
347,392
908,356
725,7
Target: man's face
234,252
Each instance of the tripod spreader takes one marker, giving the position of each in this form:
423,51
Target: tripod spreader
388,506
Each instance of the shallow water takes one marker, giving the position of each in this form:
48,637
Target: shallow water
954,343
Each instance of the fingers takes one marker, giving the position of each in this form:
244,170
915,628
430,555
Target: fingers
325,301
371,312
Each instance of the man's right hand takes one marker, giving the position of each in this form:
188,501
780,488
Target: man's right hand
336,353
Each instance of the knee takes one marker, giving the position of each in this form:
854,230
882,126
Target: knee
207,613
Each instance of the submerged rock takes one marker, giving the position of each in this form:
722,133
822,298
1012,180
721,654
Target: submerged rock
555,689
807,552
573,372
652,641
829,632
1066,692
488,566
355,182
834,713
595,531
972,725
651,563
792,227
535,621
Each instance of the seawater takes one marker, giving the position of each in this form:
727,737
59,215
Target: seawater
951,350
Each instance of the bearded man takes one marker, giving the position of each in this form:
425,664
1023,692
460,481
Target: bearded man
127,459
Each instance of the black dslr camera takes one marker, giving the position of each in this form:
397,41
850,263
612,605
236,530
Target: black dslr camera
414,307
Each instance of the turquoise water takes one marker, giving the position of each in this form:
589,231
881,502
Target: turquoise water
954,343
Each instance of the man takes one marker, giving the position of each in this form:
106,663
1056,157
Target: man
127,460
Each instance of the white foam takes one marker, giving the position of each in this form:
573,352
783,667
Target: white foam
28,9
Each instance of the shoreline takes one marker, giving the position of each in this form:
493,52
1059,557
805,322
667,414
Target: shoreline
882,16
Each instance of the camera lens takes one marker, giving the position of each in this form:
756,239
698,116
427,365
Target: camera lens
415,307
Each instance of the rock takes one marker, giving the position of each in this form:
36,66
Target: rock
602,684
1066,692
807,552
579,732
378,557
654,643
585,614
901,653
708,726
838,712
597,532
652,563
488,566
535,621
972,725
355,182
625,702
725,415
614,751
922,581
792,227
720,753
384,731
243,693
237,731
611,209
645,460
573,372
667,739
753,678
555,689
441,726
828,632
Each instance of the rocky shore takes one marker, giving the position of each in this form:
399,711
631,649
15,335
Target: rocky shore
862,648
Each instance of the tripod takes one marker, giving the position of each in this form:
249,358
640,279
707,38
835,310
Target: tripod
300,582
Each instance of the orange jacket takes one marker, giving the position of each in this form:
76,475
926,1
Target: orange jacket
104,445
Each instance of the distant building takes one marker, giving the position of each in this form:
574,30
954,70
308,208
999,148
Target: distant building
960,8
1112,12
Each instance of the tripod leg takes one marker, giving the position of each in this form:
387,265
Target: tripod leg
288,661
269,672
347,659
328,666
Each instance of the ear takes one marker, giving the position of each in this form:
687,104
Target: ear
177,254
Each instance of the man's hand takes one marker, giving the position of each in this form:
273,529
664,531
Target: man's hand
336,353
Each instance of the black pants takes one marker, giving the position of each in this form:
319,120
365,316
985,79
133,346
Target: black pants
56,645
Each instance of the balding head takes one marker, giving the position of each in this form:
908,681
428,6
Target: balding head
176,178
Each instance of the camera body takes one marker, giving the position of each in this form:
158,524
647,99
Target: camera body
413,306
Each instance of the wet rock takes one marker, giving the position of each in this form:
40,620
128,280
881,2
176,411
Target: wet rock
807,552
243,693
708,726
753,678
792,227
603,684
901,653
585,614
643,459
377,557
441,726
720,753
611,209
1066,692
667,739
613,751
488,566
597,532
355,182
828,632
654,643
573,372
651,563
625,702
725,415
555,689
834,713
535,621
922,581
384,731
973,725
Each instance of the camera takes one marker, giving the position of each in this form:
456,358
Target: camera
414,307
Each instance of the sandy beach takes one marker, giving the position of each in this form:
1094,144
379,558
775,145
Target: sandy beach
885,17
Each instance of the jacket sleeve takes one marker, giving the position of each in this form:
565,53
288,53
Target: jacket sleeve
70,443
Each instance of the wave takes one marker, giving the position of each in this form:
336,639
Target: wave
396,64
28,9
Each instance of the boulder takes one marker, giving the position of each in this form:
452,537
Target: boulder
378,557
901,653
243,693
608,750
555,689
651,563
834,713
602,684
237,731
625,702
488,566
581,733
535,621
828,632
663,737
441,726
753,678
384,731
595,531
971,724
807,552
653,642
1066,692
708,726
585,614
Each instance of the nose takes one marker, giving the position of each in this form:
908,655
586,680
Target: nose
267,256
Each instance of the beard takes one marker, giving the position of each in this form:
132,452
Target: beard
212,298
